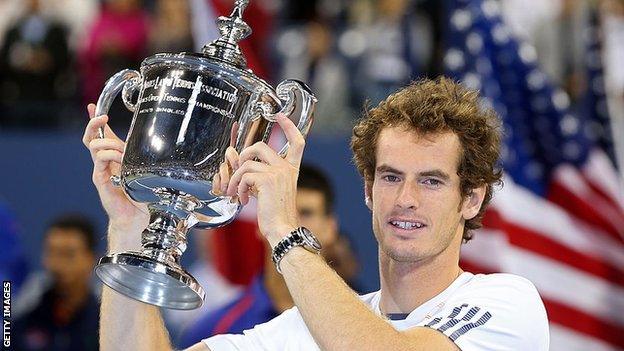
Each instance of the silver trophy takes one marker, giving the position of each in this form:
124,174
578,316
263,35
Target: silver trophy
190,108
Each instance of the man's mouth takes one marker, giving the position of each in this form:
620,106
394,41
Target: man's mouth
407,225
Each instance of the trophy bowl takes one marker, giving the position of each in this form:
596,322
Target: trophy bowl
190,108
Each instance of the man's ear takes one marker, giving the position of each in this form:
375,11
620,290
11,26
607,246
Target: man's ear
368,197
472,202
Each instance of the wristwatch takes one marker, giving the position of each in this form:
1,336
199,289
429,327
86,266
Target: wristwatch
298,237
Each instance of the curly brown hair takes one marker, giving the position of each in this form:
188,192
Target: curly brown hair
431,107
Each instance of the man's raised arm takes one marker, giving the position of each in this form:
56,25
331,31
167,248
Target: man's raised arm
125,324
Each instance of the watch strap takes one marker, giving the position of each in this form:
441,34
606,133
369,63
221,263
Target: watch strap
290,241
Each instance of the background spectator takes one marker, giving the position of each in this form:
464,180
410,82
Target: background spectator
62,313
116,40
34,64
171,27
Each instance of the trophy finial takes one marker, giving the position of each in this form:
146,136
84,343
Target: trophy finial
241,4
233,29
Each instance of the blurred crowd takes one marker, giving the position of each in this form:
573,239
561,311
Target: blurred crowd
56,308
55,55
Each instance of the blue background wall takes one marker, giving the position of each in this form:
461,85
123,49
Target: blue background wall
47,174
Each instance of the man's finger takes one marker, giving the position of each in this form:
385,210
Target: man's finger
103,158
101,144
97,145
91,131
91,110
224,175
216,184
107,131
232,157
260,151
245,168
246,186
295,140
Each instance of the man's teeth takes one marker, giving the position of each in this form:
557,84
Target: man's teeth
407,225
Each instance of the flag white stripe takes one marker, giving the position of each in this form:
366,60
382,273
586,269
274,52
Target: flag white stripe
570,177
600,170
564,339
554,280
528,210
484,243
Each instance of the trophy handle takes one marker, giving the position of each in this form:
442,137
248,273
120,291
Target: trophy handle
295,95
126,81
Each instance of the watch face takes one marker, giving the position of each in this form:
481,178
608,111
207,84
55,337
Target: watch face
310,239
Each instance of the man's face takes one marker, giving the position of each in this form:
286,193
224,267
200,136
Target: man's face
313,215
416,195
67,257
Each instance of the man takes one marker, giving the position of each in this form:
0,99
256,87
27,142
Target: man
268,295
428,156
66,315
34,70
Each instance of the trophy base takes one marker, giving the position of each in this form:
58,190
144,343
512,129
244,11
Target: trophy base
142,278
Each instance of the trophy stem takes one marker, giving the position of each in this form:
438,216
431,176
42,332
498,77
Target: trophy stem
154,275
164,239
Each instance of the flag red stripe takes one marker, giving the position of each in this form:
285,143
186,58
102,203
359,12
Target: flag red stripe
581,209
606,197
540,244
567,316
585,323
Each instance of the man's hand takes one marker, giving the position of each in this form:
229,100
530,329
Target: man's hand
260,172
126,216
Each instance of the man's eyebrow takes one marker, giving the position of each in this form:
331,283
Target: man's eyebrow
386,168
435,173
431,173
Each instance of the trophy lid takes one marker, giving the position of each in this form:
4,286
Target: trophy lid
233,29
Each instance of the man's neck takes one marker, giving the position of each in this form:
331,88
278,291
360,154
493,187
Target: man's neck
406,286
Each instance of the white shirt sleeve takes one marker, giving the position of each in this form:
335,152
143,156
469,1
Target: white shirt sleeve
284,332
495,312
499,312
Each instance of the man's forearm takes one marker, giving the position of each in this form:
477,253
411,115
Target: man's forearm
126,324
335,315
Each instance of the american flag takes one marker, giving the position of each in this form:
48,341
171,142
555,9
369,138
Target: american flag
559,219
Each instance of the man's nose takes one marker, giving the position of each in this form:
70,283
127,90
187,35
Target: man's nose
408,196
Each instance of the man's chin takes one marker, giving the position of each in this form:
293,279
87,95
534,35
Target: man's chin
401,255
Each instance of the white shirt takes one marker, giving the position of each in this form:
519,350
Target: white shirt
477,312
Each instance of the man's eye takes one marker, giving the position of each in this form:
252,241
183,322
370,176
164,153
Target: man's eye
391,178
432,182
